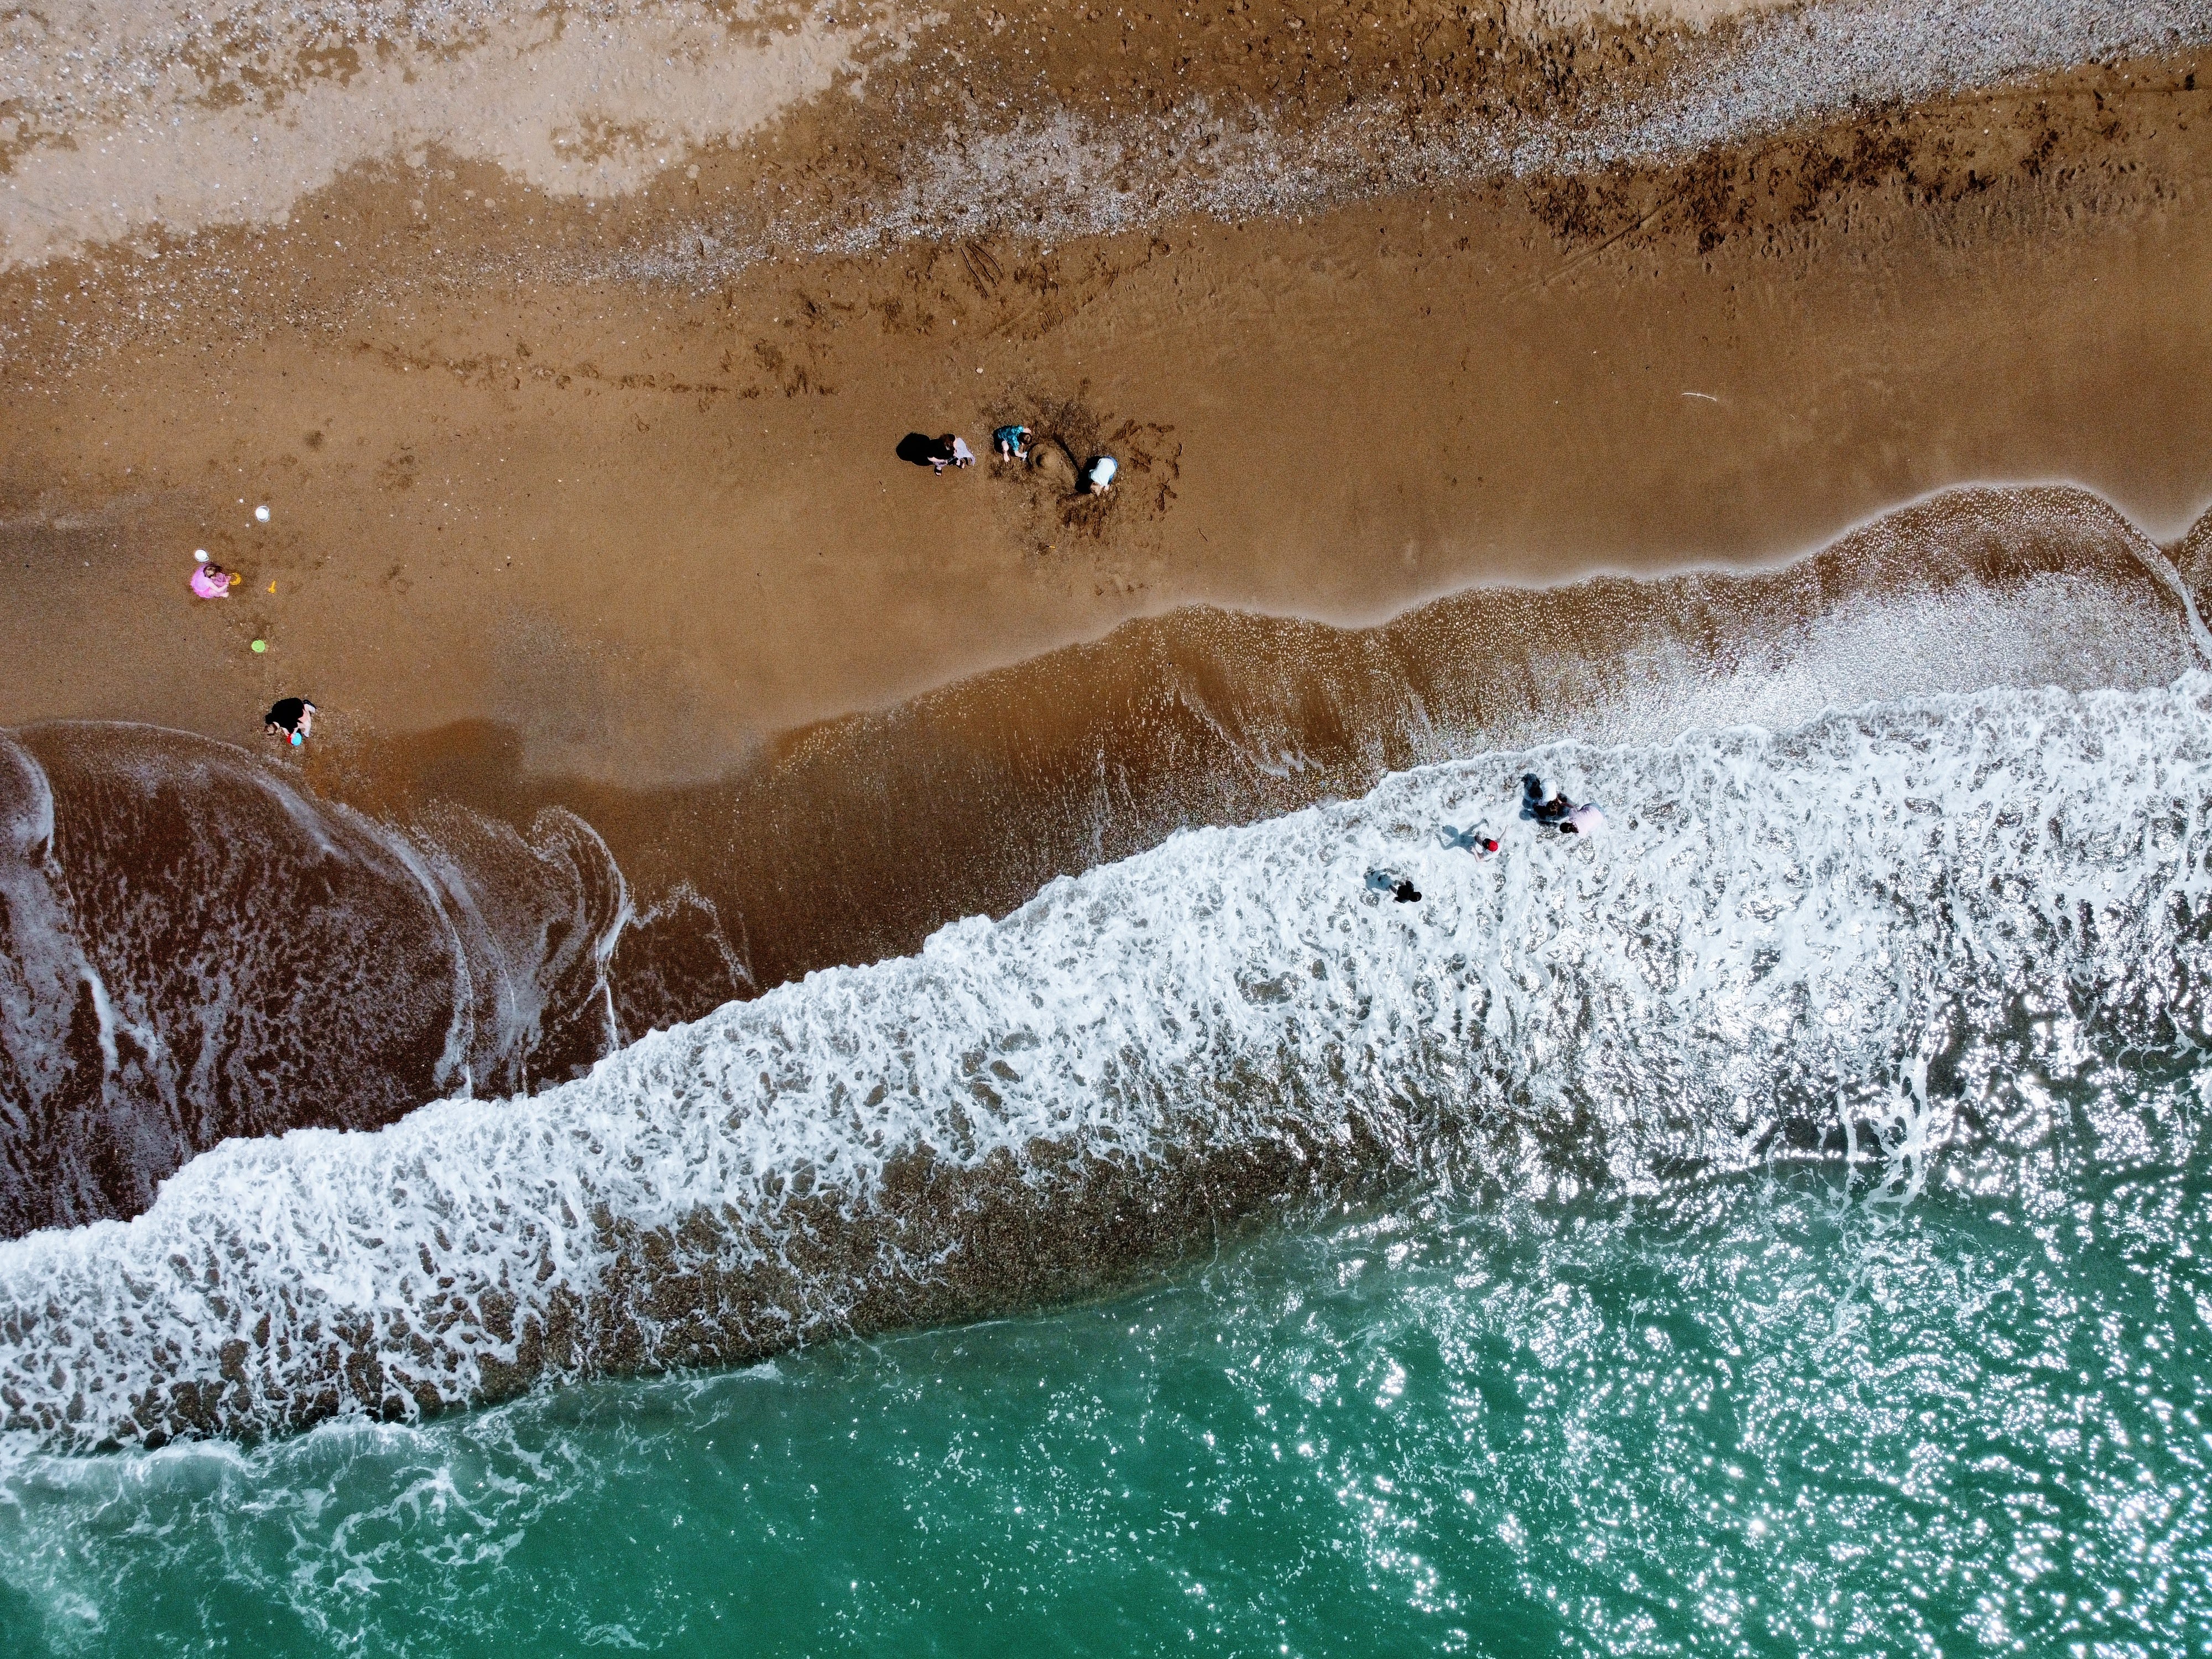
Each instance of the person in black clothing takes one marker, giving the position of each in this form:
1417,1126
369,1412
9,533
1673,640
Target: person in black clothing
1384,881
1536,804
290,719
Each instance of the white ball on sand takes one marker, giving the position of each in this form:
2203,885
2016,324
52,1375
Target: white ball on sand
199,556
261,515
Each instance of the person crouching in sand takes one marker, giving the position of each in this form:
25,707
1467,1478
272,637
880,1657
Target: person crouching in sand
212,581
291,719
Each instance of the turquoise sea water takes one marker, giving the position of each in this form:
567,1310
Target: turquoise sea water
1780,1228
1778,1413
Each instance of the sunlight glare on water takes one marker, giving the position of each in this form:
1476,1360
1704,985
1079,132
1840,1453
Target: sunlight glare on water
1751,1415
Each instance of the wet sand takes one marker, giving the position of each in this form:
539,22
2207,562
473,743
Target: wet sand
192,946
853,840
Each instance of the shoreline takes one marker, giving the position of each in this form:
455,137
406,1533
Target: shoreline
446,921
1231,1027
851,839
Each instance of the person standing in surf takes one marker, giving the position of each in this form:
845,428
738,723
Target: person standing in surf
1478,840
1540,804
1397,886
290,719
1556,810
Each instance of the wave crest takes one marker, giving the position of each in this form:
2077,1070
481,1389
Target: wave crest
1229,1024
193,946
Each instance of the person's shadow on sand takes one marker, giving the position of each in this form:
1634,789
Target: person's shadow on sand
917,448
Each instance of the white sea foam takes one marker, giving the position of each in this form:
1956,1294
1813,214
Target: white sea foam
1778,922
193,945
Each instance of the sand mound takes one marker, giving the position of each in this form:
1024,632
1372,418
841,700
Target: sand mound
1050,460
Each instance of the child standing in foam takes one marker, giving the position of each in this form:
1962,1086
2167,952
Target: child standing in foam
1478,841
1399,887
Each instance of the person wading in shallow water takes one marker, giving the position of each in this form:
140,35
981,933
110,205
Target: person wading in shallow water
1478,841
1584,820
1539,804
291,719
1387,881
1558,811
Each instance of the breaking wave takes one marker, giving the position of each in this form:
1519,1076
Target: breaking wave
1841,934
857,839
193,946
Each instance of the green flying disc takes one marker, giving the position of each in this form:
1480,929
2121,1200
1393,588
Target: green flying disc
261,645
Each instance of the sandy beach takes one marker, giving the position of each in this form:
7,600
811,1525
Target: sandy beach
1477,377
648,521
